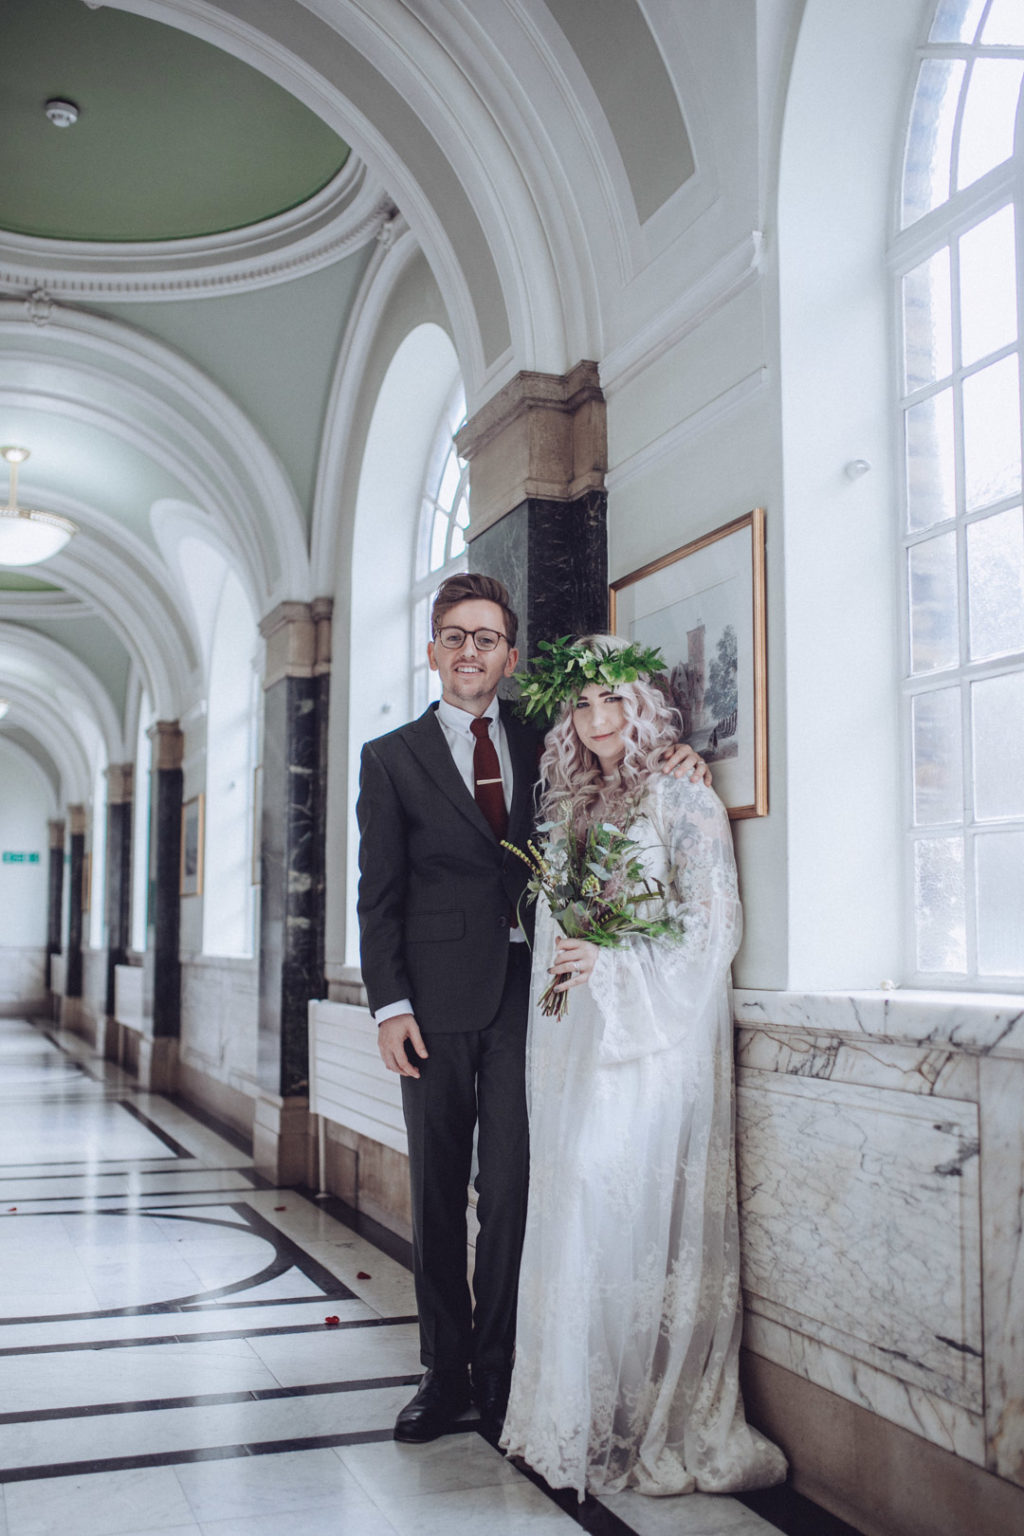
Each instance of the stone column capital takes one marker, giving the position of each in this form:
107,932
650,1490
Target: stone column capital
290,632
542,437
76,820
168,744
322,609
119,783
57,830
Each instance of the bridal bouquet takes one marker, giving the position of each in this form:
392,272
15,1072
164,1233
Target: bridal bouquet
595,886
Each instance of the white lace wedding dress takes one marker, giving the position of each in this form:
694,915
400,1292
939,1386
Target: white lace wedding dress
629,1304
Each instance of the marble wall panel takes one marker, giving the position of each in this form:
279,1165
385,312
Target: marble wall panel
986,1024
944,1072
958,1430
22,978
861,1224
1002,1189
220,1020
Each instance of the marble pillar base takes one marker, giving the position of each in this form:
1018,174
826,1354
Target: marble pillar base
158,1063
283,1143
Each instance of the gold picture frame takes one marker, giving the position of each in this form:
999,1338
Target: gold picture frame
193,830
704,604
255,873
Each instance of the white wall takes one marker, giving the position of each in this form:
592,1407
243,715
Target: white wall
25,806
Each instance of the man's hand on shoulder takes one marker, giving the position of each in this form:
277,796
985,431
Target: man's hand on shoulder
683,762
391,1038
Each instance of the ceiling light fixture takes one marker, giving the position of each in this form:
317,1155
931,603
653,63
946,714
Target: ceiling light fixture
61,113
28,537
5,705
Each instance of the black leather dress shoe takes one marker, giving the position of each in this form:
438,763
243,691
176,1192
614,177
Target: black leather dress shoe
490,1393
440,1398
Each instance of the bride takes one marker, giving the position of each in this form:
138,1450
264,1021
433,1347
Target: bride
629,1300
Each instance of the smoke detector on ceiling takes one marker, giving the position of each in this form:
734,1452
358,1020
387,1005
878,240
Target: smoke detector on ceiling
61,113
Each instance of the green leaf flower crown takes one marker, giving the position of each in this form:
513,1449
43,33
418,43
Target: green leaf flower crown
567,666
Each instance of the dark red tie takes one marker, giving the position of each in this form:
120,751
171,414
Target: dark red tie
490,795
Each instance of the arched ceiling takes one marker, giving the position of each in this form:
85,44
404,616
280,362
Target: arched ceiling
174,138
179,268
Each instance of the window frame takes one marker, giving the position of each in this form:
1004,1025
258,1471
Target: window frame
943,227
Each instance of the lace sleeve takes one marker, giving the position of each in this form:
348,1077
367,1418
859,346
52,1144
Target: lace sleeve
655,993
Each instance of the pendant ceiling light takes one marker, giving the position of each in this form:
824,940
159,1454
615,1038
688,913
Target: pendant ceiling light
28,537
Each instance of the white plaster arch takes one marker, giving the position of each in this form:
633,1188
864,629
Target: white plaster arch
142,392
43,719
174,522
495,176
19,645
35,767
338,467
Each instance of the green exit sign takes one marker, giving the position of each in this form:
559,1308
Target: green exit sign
20,858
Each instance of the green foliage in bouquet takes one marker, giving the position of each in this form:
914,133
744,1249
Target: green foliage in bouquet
595,885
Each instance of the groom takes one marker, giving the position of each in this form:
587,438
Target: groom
447,972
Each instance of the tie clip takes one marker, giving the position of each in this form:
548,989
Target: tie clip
488,781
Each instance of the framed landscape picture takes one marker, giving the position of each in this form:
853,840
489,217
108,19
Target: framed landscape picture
704,605
191,882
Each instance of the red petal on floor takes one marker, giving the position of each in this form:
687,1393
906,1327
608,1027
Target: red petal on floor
362,1275
332,1322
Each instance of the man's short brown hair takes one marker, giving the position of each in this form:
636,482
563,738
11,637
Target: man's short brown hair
469,586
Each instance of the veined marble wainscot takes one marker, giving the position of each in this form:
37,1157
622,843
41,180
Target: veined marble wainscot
881,1167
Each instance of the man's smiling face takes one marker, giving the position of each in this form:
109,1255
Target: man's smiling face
469,676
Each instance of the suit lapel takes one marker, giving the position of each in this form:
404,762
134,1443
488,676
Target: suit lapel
522,744
425,740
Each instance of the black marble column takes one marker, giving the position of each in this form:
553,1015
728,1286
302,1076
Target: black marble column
168,779
553,557
55,894
538,453
73,963
296,702
119,871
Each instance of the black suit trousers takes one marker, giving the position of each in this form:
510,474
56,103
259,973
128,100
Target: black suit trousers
472,1078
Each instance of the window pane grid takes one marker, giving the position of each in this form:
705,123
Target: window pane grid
964,103
958,277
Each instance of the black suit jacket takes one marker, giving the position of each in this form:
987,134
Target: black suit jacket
436,888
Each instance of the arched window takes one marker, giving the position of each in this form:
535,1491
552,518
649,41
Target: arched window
96,927
957,259
440,537
141,792
230,730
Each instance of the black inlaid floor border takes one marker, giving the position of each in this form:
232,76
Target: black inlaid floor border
287,1255
374,1232
206,1400
214,1336
204,1453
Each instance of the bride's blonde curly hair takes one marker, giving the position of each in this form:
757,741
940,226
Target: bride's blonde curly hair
569,770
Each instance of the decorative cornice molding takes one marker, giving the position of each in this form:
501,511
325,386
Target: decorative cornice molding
345,215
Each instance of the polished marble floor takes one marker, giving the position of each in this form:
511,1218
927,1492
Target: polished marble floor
165,1360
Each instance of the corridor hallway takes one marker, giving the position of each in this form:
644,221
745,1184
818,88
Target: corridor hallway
165,1361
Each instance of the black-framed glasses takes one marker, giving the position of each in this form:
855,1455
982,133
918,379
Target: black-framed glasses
451,637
